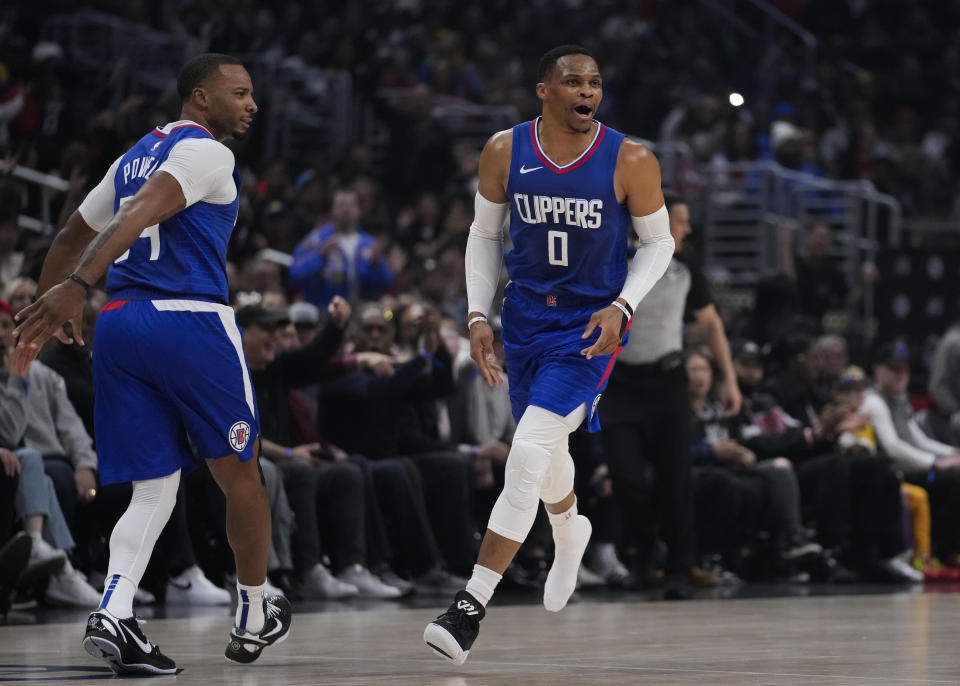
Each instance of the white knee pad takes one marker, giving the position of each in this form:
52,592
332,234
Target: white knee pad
558,482
540,439
516,508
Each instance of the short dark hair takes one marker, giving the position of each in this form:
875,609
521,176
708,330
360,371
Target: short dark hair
199,69
550,57
671,198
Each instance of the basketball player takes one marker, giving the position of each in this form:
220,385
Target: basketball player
170,378
573,188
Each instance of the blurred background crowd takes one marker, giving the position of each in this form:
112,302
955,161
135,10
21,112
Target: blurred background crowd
815,143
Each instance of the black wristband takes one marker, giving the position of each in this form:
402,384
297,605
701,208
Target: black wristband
72,276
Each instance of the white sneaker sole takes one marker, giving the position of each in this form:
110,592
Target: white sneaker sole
108,652
443,644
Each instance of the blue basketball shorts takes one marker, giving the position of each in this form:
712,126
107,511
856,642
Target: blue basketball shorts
171,387
542,347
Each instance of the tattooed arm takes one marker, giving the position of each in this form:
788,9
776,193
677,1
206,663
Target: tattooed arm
160,198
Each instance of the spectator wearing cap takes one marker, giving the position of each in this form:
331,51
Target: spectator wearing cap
339,258
859,523
357,401
305,317
921,459
325,491
850,388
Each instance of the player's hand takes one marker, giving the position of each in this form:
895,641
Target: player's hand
339,310
9,462
948,462
45,318
610,321
481,350
86,485
732,399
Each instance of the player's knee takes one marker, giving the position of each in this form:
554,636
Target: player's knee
558,482
525,469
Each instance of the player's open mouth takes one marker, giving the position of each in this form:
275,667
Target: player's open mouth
584,112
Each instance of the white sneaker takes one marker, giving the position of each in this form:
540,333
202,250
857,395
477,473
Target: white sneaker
319,582
367,583
42,554
589,579
606,563
898,569
69,588
191,587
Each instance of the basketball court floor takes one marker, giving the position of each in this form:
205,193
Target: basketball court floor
905,637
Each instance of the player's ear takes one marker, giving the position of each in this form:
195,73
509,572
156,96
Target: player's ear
542,90
200,96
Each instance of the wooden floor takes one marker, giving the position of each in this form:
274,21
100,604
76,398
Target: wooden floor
903,638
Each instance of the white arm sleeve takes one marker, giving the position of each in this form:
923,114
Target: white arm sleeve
904,455
484,253
204,169
97,208
652,257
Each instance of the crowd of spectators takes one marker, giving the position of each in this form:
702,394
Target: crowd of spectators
383,451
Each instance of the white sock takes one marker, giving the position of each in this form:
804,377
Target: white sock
482,584
118,592
250,608
571,533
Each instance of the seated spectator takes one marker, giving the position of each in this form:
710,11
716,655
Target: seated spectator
351,404
326,495
851,389
862,523
768,482
922,460
339,258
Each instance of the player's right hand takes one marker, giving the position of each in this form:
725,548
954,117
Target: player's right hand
481,350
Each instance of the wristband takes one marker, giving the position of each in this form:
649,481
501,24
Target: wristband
289,453
72,276
473,321
627,315
623,308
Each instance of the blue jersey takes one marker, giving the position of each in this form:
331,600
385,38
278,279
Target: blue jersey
569,232
184,256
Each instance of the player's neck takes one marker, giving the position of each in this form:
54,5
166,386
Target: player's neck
561,143
196,117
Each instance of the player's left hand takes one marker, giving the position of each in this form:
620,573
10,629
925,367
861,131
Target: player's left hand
45,318
610,321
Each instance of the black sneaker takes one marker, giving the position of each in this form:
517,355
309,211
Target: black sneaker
452,634
246,647
121,643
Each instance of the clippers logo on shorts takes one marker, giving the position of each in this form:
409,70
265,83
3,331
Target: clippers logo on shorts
239,436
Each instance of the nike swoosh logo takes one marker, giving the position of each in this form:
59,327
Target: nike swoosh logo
524,170
277,628
145,647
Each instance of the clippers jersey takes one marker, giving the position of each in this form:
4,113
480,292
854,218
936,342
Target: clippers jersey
569,232
184,256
